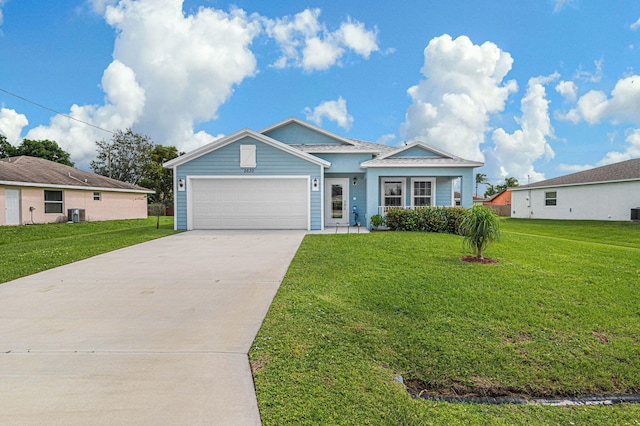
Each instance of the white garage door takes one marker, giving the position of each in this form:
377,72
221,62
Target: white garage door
249,203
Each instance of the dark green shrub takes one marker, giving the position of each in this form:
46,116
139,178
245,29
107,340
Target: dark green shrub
426,219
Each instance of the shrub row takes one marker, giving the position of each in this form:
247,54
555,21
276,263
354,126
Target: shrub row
426,219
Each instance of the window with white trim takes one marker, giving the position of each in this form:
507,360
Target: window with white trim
97,196
53,202
393,192
550,198
423,192
247,156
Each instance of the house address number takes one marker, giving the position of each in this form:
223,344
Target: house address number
249,170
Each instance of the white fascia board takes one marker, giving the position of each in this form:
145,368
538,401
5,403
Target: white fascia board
308,126
413,166
79,188
524,188
236,137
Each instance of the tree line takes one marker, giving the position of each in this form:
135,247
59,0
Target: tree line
128,157
481,179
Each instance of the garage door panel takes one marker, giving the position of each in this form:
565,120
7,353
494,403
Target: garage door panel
250,203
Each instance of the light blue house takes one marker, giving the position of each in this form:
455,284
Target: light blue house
294,175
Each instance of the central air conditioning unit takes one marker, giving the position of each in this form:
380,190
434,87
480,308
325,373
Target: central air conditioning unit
75,215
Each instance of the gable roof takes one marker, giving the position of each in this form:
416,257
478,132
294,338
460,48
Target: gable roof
293,120
219,143
618,172
442,158
32,171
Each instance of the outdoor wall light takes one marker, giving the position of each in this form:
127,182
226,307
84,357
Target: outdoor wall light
355,180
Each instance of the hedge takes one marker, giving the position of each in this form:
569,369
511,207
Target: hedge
426,219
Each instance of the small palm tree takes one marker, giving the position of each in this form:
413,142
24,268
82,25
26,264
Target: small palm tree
479,227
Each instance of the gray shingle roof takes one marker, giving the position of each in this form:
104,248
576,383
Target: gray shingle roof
625,170
32,170
420,162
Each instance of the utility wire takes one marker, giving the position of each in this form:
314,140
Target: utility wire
53,110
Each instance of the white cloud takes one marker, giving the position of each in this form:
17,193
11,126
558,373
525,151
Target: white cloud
596,106
635,25
11,125
464,86
568,90
355,36
573,168
333,111
2,2
308,44
632,151
560,4
170,72
591,77
387,139
516,152
124,104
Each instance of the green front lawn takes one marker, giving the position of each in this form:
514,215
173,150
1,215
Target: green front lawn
25,250
558,315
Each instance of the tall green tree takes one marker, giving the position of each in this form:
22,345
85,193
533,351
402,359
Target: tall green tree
481,178
124,157
159,178
479,227
49,150
6,149
509,182
491,190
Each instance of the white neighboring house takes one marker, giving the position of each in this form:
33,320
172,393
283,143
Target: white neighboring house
604,193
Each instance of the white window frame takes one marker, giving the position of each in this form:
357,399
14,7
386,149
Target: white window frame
248,156
403,182
547,199
432,197
97,196
53,202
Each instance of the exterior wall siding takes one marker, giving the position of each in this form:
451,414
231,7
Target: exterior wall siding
415,151
606,201
112,206
270,161
345,163
294,133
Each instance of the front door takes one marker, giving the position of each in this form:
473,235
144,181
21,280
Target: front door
12,206
336,202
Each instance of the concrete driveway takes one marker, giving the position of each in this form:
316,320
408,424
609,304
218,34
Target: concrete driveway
157,333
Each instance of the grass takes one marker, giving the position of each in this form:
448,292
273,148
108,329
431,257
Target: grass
558,315
25,250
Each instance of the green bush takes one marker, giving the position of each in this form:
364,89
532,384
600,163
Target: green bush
426,219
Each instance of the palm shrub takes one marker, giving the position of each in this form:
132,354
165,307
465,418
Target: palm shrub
479,227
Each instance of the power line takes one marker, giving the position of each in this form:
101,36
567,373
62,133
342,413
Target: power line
53,110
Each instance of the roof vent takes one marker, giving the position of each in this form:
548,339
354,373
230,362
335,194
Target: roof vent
69,174
85,181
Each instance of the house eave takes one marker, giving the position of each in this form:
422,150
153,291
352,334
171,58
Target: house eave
79,188
529,187
404,166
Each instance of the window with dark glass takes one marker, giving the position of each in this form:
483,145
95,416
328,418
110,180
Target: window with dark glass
550,198
53,202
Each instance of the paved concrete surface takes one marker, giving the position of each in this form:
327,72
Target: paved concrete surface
157,333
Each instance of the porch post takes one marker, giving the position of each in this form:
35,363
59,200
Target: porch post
373,181
466,188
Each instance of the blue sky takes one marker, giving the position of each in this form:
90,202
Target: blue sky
535,89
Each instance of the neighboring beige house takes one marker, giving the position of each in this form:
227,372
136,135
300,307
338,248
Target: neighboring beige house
34,190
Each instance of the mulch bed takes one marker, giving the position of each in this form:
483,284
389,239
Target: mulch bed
474,259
